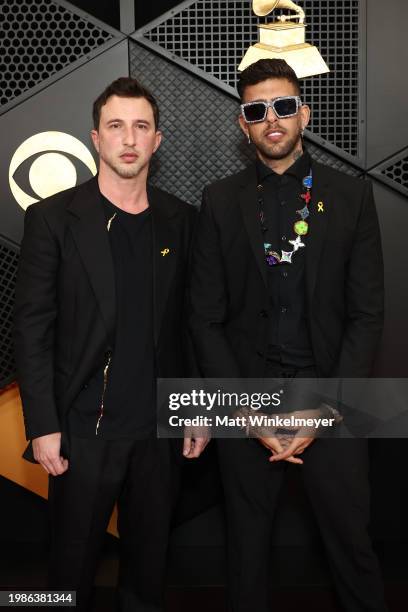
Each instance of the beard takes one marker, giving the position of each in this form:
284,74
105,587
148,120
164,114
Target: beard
277,150
123,170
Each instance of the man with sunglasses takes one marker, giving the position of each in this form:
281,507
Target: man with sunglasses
288,282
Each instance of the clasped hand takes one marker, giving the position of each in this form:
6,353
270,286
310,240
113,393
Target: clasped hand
286,446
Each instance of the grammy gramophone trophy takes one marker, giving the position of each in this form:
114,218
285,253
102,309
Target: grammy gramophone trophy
284,39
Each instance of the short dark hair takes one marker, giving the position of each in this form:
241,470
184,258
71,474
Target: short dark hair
265,69
124,87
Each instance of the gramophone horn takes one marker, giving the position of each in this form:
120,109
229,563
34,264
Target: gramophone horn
264,7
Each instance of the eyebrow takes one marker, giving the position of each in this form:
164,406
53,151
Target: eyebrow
144,121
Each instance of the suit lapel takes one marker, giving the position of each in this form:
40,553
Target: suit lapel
88,227
320,209
164,256
248,201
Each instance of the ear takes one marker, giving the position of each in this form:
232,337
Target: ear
243,125
305,115
95,139
159,137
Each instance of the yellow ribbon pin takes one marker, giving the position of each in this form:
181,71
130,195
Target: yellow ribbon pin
320,207
165,252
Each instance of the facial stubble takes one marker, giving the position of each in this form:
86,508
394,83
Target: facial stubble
126,171
277,151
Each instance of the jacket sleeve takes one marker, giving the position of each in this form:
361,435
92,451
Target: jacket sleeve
192,369
209,300
34,322
364,291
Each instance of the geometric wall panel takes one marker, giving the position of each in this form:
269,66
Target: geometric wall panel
394,172
23,473
202,141
387,83
210,37
8,269
324,156
39,38
337,98
392,210
62,107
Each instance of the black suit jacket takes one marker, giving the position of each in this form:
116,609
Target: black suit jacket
344,277
65,298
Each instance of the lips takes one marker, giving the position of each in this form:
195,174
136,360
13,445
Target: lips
129,157
274,134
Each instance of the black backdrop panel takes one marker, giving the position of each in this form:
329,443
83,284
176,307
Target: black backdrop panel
394,171
202,140
212,37
393,213
387,85
8,269
40,39
65,106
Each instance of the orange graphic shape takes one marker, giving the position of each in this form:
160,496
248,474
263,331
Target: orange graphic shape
12,445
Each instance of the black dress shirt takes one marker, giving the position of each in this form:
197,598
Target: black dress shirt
288,336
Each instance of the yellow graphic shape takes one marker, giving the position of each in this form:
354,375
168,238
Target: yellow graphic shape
58,170
53,171
12,445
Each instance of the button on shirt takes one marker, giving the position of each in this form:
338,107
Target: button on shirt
288,336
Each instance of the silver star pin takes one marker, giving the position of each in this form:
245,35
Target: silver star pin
297,244
304,213
286,256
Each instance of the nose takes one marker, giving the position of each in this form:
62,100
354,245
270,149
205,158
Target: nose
270,115
129,138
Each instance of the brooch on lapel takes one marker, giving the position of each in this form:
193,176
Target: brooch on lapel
110,222
320,207
165,252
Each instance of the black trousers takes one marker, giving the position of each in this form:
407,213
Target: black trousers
335,475
142,476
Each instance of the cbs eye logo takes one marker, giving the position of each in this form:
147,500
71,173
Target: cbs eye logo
51,171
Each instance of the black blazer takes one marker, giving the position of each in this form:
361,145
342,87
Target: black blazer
65,303
344,277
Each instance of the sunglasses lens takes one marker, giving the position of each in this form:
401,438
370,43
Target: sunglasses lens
285,107
255,112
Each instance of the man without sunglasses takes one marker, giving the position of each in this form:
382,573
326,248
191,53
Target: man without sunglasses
99,307
288,282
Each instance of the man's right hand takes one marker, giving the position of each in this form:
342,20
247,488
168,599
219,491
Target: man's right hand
47,452
278,445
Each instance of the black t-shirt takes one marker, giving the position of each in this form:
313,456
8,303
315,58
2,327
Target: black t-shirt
288,335
129,395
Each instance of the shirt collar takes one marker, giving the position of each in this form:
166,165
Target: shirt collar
299,169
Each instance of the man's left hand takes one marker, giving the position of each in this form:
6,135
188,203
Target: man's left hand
296,447
278,445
